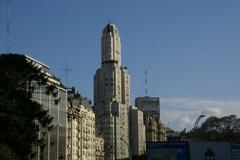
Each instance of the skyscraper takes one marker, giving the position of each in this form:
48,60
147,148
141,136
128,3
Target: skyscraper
112,96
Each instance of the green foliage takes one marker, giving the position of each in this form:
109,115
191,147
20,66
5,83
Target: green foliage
218,129
20,116
5,152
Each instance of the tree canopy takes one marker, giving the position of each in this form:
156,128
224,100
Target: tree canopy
20,116
218,129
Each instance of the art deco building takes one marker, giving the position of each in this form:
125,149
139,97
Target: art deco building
54,141
81,128
112,96
137,132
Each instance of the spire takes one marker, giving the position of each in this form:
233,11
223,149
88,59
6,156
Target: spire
110,28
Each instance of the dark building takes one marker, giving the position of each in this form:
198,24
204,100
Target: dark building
149,105
54,140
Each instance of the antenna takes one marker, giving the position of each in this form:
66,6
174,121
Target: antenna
66,70
8,25
146,82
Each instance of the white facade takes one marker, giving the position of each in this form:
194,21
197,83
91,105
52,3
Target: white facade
81,130
112,97
137,132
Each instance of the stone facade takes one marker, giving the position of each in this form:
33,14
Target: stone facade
112,97
99,148
81,129
162,132
155,130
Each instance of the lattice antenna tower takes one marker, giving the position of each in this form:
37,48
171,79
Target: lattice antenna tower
146,83
66,71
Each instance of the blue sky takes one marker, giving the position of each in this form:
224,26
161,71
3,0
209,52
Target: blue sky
191,49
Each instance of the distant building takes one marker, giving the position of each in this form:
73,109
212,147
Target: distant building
162,131
149,105
54,141
112,96
151,129
81,128
137,132
155,130
99,148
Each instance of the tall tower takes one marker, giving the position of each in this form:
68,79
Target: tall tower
112,96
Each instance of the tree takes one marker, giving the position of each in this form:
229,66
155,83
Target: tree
218,129
20,116
140,157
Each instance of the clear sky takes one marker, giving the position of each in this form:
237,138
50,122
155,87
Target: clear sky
190,48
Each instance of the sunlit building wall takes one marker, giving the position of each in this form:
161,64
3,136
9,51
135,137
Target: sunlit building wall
99,148
137,132
81,140
155,130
